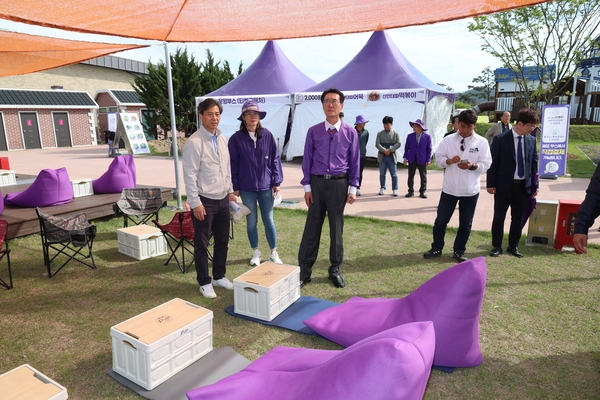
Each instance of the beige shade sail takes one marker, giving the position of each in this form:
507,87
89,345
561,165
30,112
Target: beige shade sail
22,54
242,20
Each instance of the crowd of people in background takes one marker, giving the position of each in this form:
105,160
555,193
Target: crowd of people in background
248,166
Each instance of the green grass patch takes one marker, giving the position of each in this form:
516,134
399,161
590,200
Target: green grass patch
539,324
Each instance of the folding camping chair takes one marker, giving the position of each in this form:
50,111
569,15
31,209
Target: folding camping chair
69,236
179,234
5,252
139,205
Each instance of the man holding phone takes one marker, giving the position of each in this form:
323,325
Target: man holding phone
466,156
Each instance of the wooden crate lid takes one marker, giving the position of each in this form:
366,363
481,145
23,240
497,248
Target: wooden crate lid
22,384
160,321
139,230
266,274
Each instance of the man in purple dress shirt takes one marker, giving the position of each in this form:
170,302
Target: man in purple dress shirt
331,167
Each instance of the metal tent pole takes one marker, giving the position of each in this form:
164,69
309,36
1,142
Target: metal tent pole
173,125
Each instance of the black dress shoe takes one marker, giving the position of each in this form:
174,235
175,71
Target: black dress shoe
409,194
515,252
496,251
423,196
304,282
337,280
459,256
432,253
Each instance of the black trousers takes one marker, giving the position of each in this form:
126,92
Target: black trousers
516,198
329,197
217,222
412,167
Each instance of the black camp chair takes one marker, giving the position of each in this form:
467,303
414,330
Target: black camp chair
72,237
139,205
5,252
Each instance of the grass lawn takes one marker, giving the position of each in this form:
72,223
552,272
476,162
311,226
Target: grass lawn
540,324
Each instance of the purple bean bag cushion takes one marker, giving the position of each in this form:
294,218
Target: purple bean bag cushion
50,188
394,364
452,300
120,175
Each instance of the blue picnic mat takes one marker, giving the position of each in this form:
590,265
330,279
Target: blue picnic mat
293,317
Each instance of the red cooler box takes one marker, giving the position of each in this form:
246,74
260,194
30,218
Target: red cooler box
565,223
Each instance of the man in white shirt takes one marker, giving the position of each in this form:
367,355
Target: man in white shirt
466,156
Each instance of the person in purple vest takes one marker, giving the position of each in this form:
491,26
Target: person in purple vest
330,168
417,155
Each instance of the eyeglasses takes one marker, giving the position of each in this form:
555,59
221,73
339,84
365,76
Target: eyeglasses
331,101
251,113
531,126
462,145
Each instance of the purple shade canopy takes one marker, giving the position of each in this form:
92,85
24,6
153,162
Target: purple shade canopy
379,66
452,300
392,365
271,73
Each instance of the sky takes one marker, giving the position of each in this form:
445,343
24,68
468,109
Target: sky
445,52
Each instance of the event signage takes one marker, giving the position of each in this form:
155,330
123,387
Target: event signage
369,95
554,140
131,131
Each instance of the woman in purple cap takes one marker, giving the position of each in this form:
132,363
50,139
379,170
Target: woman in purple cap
363,137
256,174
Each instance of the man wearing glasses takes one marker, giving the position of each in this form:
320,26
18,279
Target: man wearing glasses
510,179
330,168
466,156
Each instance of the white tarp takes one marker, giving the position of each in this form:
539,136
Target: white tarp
277,107
437,116
403,105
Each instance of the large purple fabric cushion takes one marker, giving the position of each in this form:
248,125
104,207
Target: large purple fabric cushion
394,364
452,300
50,188
120,175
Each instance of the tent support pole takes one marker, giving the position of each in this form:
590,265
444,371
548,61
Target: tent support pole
173,124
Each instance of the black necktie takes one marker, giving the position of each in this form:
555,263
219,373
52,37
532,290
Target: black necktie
332,130
520,165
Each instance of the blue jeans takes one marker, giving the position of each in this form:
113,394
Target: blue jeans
388,163
265,202
446,207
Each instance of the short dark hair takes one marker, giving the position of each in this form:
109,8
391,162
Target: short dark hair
341,114
468,117
453,119
209,103
388,120
527,116
332,90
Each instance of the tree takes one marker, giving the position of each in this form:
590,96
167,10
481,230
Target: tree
554,33
486,86
190,79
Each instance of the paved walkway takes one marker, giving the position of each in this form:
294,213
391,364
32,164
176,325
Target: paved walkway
92,161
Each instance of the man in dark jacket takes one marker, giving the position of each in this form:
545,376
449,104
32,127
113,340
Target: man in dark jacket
588,212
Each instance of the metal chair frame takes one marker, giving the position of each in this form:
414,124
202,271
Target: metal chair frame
179,235
5,252
139,205
71,236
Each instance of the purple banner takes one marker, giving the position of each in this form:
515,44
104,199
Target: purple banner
554,140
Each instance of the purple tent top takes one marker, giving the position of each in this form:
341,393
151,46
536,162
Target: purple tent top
379,66
271,73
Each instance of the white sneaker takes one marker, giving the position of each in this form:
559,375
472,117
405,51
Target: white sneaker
395,193
255,260
381,191
208,291
274,257
224,283
358,192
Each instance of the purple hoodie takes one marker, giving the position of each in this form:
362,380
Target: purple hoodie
254,166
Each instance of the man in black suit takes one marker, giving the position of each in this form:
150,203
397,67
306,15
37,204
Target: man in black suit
510,179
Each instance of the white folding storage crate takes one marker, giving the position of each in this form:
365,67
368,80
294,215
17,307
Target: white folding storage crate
27,383
141,242
82,187
7,177
267,290
150,348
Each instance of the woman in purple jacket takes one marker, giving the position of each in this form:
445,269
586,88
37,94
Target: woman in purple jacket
256,174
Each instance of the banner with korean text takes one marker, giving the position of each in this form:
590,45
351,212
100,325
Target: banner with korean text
554,140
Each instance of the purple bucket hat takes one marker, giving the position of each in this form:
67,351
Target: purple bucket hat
360,120
420,123
251,106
